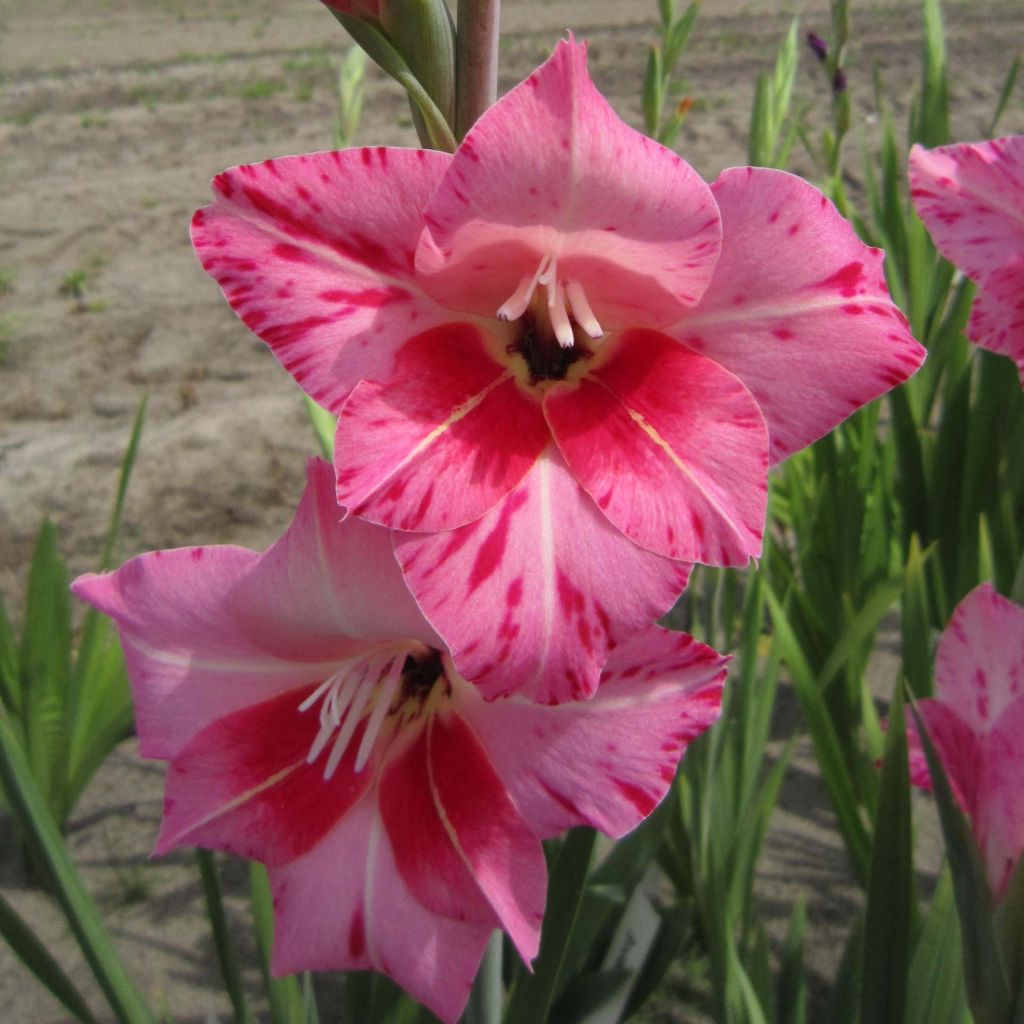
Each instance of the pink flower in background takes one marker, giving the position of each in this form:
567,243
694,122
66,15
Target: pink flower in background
562,362
314,721
971,199
369,10
976,722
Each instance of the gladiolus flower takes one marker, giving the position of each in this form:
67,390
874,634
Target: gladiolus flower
562,362
976,722
971,199
313,720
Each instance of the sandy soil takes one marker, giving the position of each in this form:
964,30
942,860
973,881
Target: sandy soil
114,115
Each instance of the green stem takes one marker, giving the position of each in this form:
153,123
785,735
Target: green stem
485,1001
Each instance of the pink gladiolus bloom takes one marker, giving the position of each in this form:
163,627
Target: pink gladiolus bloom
971,199
313,720
976,722
562,362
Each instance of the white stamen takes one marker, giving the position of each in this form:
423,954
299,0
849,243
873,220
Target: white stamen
519,301
559,316
352,719
581,311
341,686
380,711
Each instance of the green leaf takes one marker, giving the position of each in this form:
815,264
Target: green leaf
283,994
46,668
1004,96
653,92
10,684
37,958
935,984
533,994
222,941
791,994
1010,929
890,889
824,738
30,812
324,425
436,130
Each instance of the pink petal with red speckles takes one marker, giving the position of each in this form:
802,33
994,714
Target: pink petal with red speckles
344,906
979,664
463,850
798,308
1000,820
606,762
243,784
971,199
552,170
997,316
671,447
207,631
315,253
958,748
532,597
441,442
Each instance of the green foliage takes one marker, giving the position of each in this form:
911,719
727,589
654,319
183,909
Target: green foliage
68,707
660,82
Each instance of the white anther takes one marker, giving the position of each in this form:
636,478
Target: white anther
581,311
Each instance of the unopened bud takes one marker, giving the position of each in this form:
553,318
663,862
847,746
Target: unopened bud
818,45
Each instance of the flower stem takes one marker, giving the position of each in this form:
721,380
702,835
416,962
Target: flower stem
476,61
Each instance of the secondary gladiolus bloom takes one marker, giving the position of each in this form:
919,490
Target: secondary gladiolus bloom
971,199
976,723
562,362
313,720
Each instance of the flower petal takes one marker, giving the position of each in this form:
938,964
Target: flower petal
606,762
798,308
243,785
189,660
530,598
997,316
327,579
552,170
207,631
1000,822
957,747
315,254
344,906
971,199
443,441
460,845
979,664
671,447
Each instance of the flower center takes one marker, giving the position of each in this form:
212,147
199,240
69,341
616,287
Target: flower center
565,299
388,685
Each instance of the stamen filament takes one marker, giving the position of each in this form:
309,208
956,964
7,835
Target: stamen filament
352,719
519,301
581,311
559,317
380,710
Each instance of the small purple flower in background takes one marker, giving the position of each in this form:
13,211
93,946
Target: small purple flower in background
971,199
976,723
